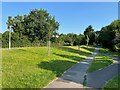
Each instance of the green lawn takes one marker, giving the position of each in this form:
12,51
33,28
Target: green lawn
113,83
104,50
107,51
32,68
99,62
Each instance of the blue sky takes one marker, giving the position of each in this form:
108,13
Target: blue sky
73,17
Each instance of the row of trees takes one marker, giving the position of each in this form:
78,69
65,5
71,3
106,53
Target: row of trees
38,27
69,39
109,36
35,29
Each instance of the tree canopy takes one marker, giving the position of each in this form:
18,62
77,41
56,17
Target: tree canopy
89,35
109,35
36,26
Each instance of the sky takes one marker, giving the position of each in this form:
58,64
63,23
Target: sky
60,0
74,17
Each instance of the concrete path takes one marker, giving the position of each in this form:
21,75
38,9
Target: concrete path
99,78
74,77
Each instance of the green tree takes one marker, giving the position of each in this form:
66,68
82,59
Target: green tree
38,26
109,35
117,40
97,33
52,26
89,32
5,39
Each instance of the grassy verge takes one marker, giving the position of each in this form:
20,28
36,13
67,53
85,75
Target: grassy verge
32,68
99,62
107,51
113,83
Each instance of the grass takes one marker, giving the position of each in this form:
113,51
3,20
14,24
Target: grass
99,62
113,83
104,50
107,51
102,60
32,68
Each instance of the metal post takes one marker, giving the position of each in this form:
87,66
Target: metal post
10,37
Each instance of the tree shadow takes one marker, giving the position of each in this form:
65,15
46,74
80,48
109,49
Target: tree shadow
103,61
22,50
56,66
88,48
73,57
28,51
68,49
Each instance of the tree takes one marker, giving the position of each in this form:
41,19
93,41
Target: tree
97,33
52,26
72,37
106,37
117,40
109,35
89,33
5,39
18,25
38,26
78,40
116,26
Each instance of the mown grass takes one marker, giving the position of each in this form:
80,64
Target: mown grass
32,68
99,62
113,84
107,51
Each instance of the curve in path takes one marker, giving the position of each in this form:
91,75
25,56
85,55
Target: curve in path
99,78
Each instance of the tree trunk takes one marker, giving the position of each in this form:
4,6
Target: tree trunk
49,48
78,47
87,44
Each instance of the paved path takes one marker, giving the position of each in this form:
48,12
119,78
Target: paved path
98,78
74,77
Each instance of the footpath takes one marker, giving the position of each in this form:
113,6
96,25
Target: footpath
99,78
74,77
